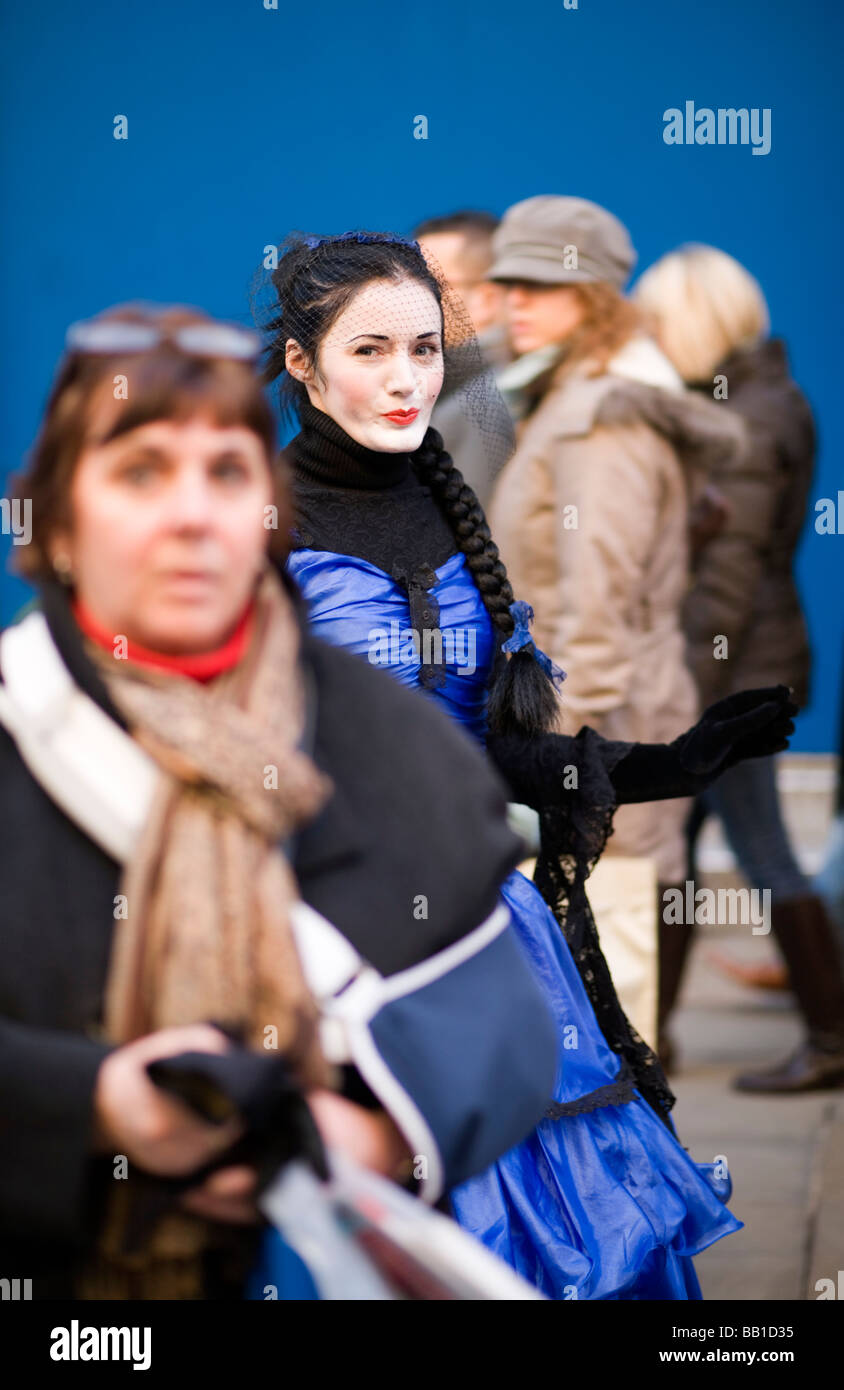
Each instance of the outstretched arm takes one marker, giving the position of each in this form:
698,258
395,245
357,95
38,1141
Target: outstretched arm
546,771
751,724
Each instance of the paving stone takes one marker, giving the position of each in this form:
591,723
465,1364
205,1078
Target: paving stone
826,1258
785,1154
770,1228
738,1277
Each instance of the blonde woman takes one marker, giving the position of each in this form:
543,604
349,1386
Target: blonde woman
591,514
712,321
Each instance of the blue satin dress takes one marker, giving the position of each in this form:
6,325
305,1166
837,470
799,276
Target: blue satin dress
600,1205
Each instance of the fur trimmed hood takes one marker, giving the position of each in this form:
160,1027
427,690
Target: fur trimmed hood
641,385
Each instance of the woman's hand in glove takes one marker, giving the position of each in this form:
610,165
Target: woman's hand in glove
751,724
156,1131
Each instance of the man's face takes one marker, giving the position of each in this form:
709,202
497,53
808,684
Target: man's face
465,269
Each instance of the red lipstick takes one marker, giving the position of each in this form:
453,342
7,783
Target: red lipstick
402,417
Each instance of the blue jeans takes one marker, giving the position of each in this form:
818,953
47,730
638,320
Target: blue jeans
746,801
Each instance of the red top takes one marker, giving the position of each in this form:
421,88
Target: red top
203,666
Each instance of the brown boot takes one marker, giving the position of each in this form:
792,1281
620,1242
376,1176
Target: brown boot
810,1068
808,945
766,975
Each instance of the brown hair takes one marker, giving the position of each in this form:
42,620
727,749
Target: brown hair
166,384
610,321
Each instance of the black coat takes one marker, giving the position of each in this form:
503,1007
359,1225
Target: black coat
743,586
416,810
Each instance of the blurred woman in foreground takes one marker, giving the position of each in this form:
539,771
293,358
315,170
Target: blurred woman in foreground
176,748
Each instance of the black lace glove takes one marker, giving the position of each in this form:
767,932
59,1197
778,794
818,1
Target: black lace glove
751,724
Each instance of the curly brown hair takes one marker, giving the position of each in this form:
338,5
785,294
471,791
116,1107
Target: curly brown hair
609,322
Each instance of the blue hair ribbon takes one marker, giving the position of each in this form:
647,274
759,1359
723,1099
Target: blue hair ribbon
363,238
522,615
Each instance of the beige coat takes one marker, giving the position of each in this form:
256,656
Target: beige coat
591,518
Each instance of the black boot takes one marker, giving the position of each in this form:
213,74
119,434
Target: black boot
807,942
674,938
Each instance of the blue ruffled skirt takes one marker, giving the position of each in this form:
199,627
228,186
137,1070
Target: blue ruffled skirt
602,1205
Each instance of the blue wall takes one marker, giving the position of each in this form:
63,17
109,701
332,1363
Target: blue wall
246,122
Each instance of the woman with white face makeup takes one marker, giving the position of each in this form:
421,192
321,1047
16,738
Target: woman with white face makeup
196,798
395,558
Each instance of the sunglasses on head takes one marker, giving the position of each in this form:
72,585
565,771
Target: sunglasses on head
109,336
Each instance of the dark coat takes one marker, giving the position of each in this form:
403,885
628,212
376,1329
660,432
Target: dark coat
743,586
416,810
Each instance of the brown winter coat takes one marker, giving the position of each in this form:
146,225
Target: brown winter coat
743,587
607,581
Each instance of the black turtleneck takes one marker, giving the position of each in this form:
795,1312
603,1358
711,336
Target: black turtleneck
325,453
365,502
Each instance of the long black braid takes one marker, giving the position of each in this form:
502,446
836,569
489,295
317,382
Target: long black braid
522,697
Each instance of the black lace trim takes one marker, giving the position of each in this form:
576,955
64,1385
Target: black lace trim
424,622
573,835
618,1092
